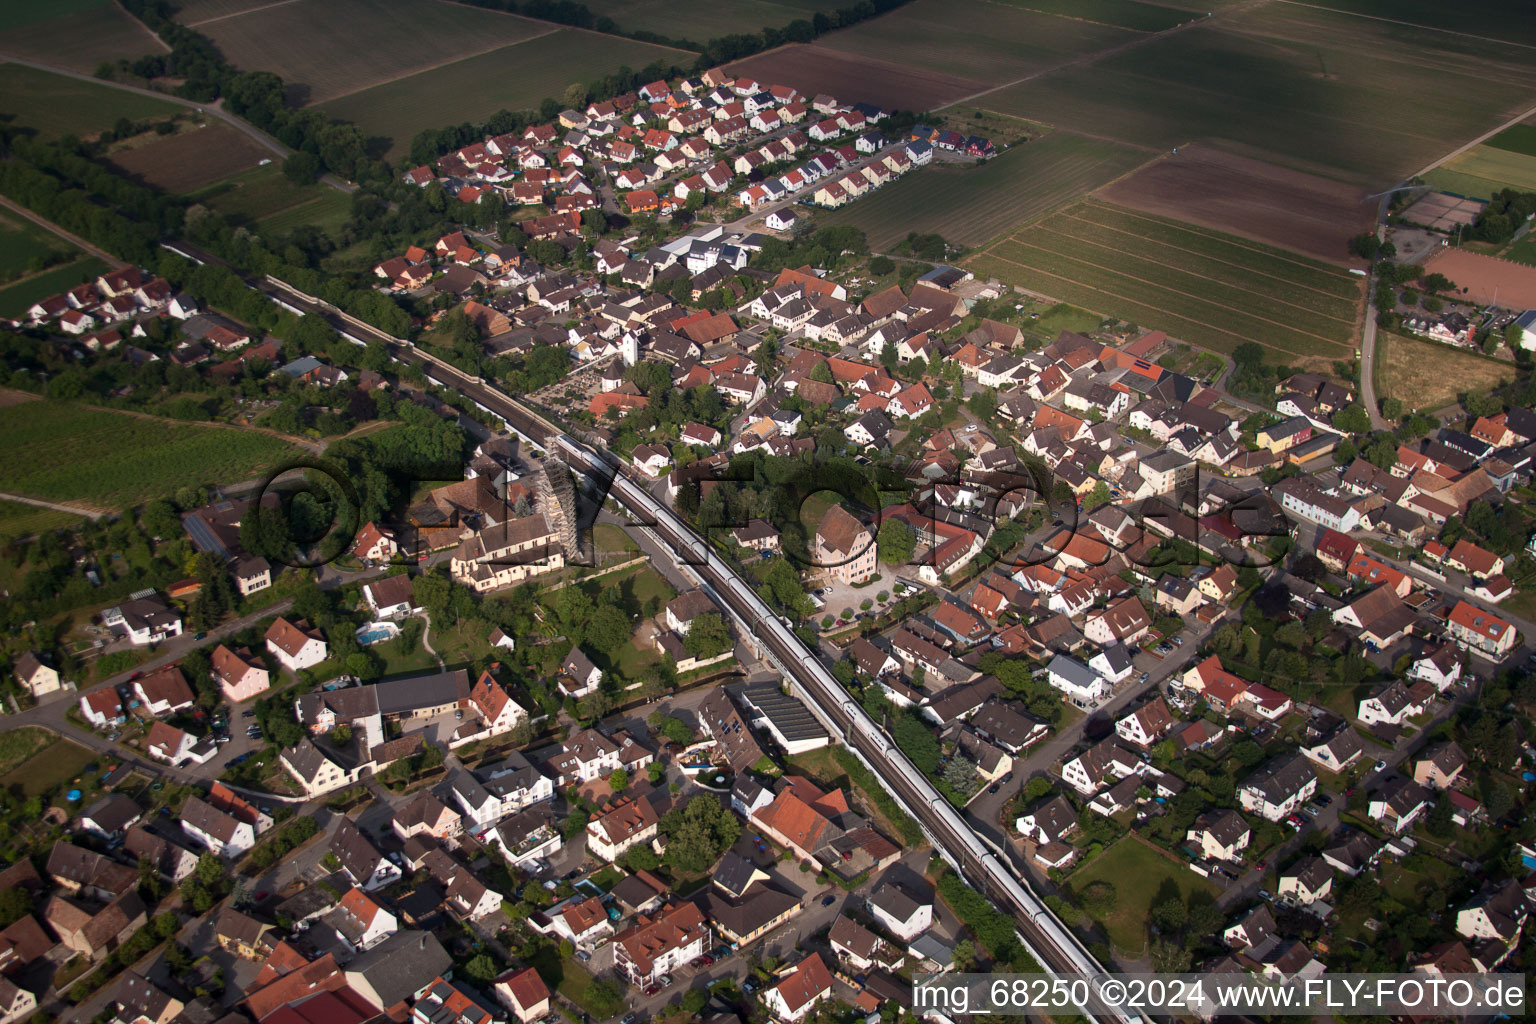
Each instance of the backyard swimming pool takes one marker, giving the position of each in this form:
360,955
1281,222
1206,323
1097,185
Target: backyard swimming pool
377,633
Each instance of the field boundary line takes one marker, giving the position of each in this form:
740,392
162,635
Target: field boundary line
432,67
1089,21
1407,24
238,14
1172,313
1191,295
1095,57
79,243
1241,242
67,507
141,26
1145,305
1193,252
23,279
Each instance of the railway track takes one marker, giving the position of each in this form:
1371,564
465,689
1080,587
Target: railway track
1046,938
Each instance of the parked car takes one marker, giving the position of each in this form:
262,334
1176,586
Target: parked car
665,981
828,900
1324,799
1381,766
651,990
1263,894
247,714
1177,641
630,1018
1143,678
582,956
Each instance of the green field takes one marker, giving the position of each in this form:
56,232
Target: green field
1199,285
703,20
1523,251
19,520
1131,14
1501,167
1457,183
1520,138
21,241
60,451
53,105
17,296
16,745
76,35
512,78
266,200
335,47
1267,76
972,204
1139,873
975,39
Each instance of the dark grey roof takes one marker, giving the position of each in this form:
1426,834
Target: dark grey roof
789,717
359,858
1281,778
734,873
402,965
399,696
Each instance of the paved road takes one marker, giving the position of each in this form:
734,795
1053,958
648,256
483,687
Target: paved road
1368,333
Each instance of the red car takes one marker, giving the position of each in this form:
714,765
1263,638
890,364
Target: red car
651,990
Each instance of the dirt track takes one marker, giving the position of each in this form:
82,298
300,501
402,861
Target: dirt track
1227,192
1487,279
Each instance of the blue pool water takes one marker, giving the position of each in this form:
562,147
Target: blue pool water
376,635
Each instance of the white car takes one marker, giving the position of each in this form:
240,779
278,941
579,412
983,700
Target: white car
1381,766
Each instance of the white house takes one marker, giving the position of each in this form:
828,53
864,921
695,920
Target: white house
391,597
1049,822
902,908
522,991
224,834
1082,685
1221,835
1307,881
586,756
797,992
38,678
295,648
1278,788
623,825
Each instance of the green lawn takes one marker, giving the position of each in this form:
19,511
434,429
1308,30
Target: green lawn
16,297
1138,872
19,520
63,451
16,745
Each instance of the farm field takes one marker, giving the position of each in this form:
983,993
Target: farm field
328,48
1228,192
21,240
1484,279
1501,167
1460,184
1428,375
75,35
971,204
1479,17
1201,286
191,159
193,13
854,79
53,105
1523,251
513,77
1139,874
703,20
17,296
973,39
263,198
1131,14
61,451
1263,76
1520,138
19,520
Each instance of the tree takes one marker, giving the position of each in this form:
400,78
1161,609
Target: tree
608,631
707,636
619,780
1392,408
481,968
302,168
895,542
1352,420
1037,788
881,265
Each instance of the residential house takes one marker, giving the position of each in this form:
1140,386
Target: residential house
1278,788
295,647
1221,835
